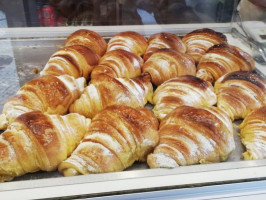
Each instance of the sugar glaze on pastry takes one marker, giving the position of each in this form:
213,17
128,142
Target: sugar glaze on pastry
190,135
253,134
183,90
240,92
118,136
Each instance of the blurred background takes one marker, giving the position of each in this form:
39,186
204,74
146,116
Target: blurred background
35,13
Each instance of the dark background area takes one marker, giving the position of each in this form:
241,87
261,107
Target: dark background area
32,13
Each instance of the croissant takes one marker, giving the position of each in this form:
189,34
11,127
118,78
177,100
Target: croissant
221,59
37,141
183,90
190,135
252,134
164,40
73,60
130,41
118,136
165,64
119,64
239,93
105,91
199,41
51,94
89,39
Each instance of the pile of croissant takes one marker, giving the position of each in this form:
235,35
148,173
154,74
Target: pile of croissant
86,112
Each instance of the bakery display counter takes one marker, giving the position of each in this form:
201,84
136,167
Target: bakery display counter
23,54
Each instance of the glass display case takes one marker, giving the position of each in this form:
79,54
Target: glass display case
32,30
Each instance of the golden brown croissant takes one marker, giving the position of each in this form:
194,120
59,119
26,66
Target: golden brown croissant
130,41
183,90
165,64
105,91
221,59
89,39
73,60
253,134
37,141
51,94
238,93
164,40
118,136
190,135
199,41
119,64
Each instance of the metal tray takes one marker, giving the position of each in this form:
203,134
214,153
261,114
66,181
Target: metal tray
22,58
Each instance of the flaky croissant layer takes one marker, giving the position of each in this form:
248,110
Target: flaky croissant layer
165,64
253,134
183,90
105,91
118,64
240,92
118,136
199,41
76,60
129,41
51,94
222,59
164,40
87,38
37,141
190,135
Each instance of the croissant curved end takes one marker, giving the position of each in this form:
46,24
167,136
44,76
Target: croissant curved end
3,122
203,161
247,156
161,161
4,178
70,172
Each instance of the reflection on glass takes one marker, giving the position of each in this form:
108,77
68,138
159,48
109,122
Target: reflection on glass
114,12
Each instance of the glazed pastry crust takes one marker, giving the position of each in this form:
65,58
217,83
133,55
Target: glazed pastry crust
37,141
129,41
165,64
87,38
76,61
119,64
199,41
252,134
221,59
190,135
51,94
183,90
118,136
164,40
239,93
105,91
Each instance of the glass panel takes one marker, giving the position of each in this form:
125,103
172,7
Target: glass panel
34,13
250,26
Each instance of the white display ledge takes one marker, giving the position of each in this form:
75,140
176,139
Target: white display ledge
135,181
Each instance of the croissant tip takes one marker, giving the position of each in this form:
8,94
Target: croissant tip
159,160
4,178
3,122
247,156
70,172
